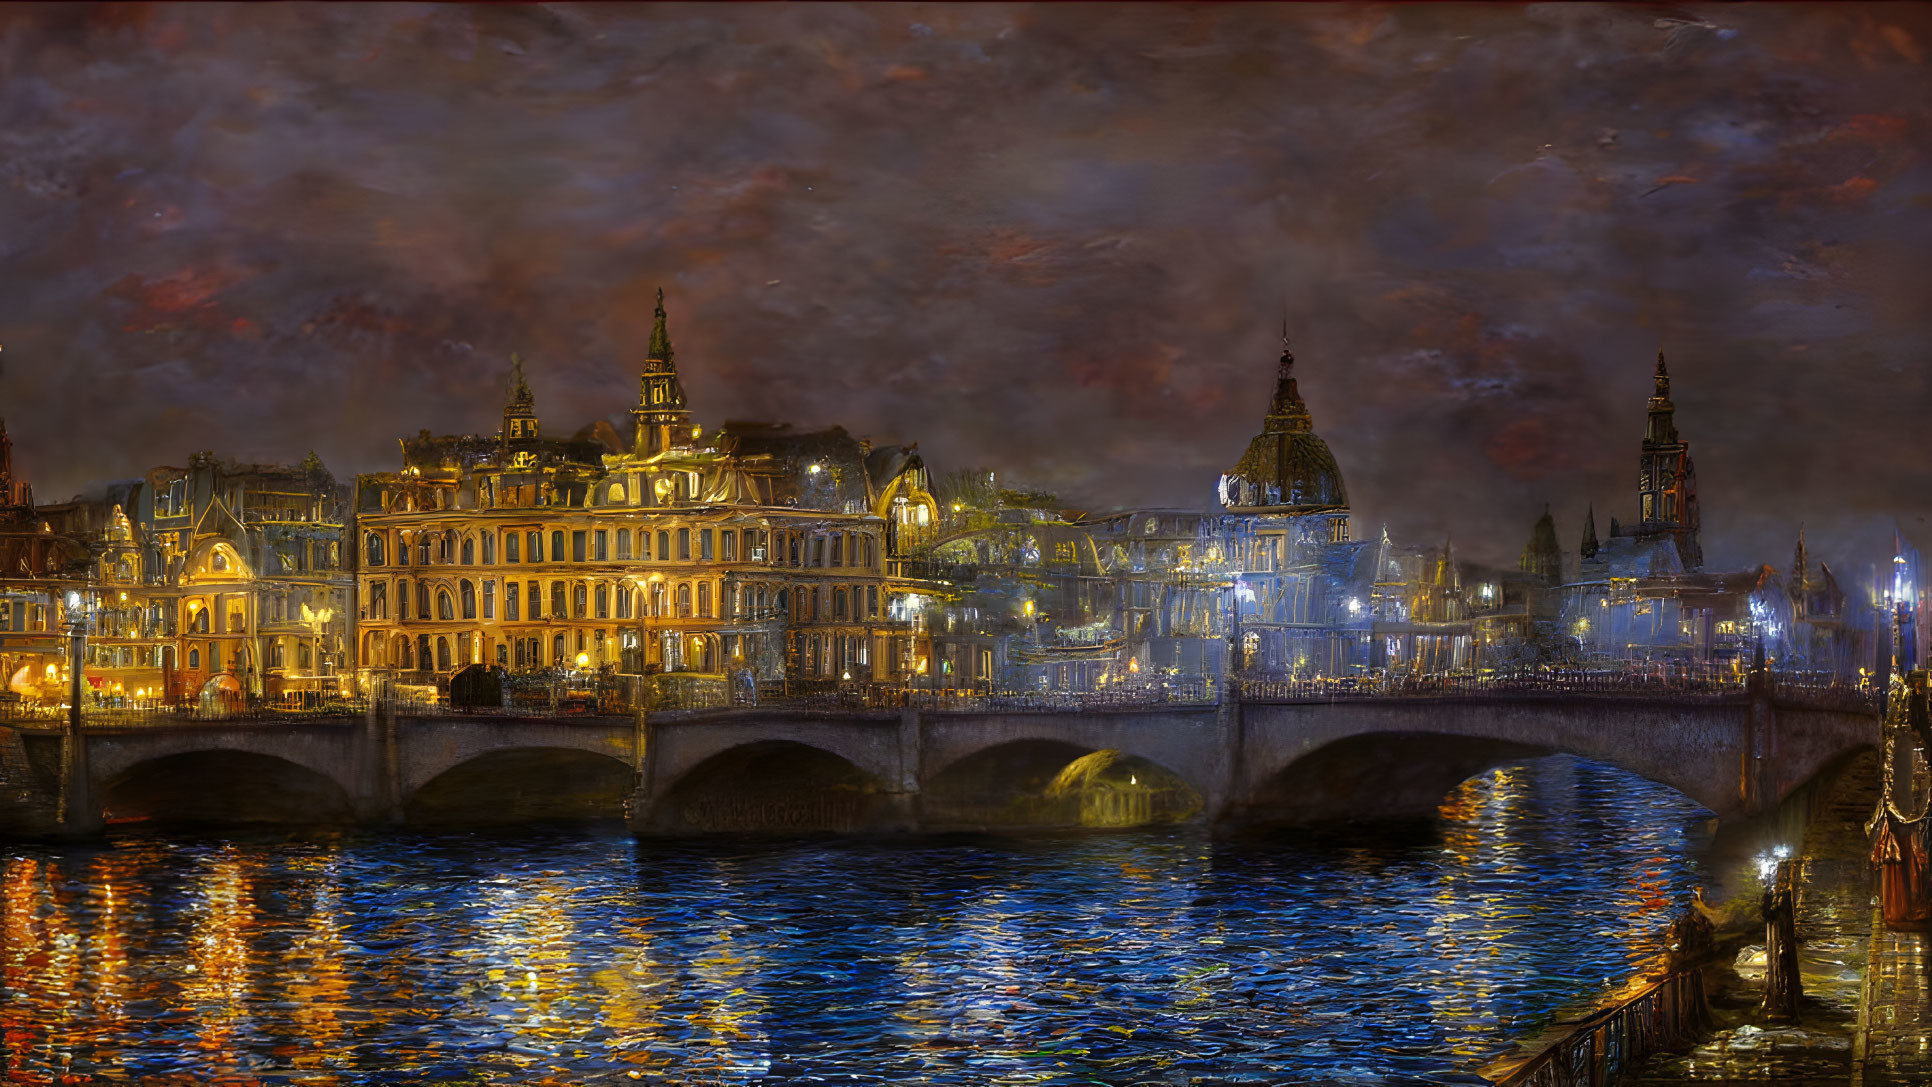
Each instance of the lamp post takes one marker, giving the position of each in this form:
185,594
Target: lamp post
1783,988
77,813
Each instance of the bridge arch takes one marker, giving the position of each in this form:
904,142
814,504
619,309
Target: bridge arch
773,785
1317,762
509,784
1037,782
222,786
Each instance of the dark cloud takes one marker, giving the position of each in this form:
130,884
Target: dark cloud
1054,240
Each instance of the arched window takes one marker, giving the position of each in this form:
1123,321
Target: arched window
559,601
556,545
511,542
577,602
374,549
422,600
469,551
684,601
704,599
657,599
535,540
446,547
623,602
444,608
194,657
302,655
218,561
615,496
784,600
442,654
557,651
425,656
603,601
422,549
623,543
838,603
402,600
489,549
469,599
201,621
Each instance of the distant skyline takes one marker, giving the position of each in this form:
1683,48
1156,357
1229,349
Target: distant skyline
1054,241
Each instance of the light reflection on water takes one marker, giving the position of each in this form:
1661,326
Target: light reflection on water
584,957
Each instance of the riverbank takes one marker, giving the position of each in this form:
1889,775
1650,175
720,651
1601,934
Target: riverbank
1834,932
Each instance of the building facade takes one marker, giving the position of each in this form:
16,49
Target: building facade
752,556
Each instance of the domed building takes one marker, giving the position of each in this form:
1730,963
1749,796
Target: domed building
1288,470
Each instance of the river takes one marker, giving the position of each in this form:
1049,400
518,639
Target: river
582,956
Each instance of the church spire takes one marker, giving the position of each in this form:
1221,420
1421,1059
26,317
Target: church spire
519,408
1800,564
662,421
1663,423
1590,545
660,348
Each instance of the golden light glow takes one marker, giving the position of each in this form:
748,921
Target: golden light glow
583,660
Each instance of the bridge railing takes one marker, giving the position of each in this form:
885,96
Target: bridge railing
55,717
1592,1051
1813,694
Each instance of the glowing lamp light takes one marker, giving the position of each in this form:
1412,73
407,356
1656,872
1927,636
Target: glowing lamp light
1354,606
813,469
583,660
123,597
846,675
73,601
1027,608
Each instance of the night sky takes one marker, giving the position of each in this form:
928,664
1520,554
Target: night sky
1057,241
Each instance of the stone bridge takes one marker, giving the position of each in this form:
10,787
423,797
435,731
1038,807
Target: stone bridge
778,769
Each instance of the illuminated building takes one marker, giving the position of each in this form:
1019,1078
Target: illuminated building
753,553
223,577
37,568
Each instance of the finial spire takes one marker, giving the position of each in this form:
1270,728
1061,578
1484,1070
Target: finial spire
519,389
660,348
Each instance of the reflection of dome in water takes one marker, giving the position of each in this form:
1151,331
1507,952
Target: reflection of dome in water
1287,468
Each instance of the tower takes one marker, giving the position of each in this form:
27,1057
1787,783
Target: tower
1799,586
519,410
1541,555
12,493
1666,480
1590,545
662,420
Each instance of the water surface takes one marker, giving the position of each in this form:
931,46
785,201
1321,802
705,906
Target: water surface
585,957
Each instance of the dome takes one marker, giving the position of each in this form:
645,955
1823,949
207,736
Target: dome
1287,468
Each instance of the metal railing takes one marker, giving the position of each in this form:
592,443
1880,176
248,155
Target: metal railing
549,699
1592,1052
151,716
1692,689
